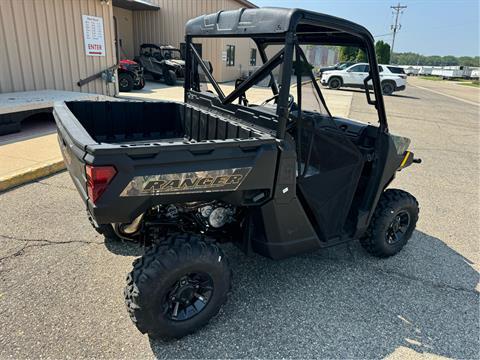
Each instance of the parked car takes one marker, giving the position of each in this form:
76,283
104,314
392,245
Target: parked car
279,178
393,78
338,66
162,62
130,76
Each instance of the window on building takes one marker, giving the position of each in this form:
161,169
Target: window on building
230,55
253,57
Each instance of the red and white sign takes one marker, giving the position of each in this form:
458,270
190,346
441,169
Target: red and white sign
93,35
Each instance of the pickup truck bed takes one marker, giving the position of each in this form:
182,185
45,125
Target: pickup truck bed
151,142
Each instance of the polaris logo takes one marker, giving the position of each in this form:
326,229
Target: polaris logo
193,182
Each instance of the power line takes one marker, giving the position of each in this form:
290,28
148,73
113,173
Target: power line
382,35
397,10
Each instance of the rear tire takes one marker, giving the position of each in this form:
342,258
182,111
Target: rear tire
107,231
183,270
125,82
392,223
334,83
388,88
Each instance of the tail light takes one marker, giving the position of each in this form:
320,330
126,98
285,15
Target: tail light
98,178
403,76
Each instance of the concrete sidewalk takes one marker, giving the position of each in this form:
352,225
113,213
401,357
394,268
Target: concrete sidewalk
28,160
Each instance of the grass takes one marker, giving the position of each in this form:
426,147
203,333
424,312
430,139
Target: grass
433,78
474,83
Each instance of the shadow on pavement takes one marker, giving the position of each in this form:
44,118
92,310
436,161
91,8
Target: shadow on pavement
124,247
405,96
394,95
343,303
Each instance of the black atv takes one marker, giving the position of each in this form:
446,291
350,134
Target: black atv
162,62
130,76
277,177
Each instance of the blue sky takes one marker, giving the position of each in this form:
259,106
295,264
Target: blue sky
429,27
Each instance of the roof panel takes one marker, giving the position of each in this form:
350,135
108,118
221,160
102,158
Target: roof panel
276,21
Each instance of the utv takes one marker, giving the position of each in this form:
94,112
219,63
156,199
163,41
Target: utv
162,62
277,177
130,76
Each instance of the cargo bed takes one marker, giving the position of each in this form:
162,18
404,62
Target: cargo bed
145,140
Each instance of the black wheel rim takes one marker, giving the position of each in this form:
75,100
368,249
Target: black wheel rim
188,296
123,83
387,89
334,84
398,227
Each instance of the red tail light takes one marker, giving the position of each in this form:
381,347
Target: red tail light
98,178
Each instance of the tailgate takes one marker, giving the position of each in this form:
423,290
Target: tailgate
73,140
180,173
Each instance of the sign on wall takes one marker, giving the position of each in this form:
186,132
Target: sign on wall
93,35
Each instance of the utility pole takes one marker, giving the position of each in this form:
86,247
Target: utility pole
397,10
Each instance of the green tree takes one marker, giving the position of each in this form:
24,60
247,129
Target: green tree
361,56
410,58
382,49
347,53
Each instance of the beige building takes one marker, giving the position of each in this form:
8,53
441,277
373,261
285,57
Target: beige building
54,44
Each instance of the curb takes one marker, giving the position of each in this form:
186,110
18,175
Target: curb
31,174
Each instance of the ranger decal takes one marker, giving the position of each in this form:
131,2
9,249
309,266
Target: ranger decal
185,183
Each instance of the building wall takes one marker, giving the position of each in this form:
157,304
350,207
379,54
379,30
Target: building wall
124,19
167,27
43,48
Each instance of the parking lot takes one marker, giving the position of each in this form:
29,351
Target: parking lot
61,283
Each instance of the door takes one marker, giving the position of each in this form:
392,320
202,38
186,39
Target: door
330,168
356,74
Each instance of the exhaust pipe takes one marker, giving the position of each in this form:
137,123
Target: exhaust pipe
126,231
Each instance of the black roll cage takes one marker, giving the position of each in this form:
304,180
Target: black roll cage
334,32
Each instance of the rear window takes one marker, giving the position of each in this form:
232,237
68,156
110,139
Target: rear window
396,70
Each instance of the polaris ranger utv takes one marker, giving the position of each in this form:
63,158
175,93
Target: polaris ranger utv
162,62
278,177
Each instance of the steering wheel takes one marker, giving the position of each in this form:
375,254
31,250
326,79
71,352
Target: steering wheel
291,100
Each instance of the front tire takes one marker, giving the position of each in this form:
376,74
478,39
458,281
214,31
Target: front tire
170,78
334,83
177,286
392,223
125,82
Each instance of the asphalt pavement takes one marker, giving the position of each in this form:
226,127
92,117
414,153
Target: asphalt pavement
61,283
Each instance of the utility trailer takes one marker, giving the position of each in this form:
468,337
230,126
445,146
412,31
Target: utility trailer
278,177
450,72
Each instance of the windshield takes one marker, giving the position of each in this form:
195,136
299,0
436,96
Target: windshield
343,66
173,54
